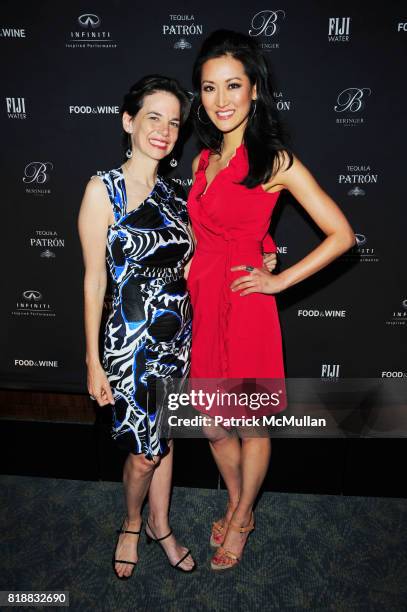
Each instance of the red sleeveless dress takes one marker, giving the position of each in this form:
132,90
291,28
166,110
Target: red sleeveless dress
232,336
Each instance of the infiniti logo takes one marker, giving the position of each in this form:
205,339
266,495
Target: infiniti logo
360,239
32,294
88,20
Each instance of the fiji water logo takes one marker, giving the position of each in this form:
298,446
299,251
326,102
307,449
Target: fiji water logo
15,108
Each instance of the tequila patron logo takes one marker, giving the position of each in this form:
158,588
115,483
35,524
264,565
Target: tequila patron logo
281,103
265,25
183,27
356,177
44,241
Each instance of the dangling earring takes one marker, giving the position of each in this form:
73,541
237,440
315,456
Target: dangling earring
254,109
173,163
199,118
129,152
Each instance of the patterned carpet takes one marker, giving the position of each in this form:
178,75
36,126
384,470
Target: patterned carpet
309,552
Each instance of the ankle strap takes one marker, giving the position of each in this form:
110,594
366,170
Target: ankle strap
159,539
164,537
248,527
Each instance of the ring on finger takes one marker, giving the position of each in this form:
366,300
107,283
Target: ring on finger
92,398
249,268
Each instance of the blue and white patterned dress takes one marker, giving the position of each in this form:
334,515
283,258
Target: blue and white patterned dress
148,333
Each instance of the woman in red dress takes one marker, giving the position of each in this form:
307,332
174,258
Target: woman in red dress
239,174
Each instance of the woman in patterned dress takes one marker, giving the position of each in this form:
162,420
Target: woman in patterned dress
137,220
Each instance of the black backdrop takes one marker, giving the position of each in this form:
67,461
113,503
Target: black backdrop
339,86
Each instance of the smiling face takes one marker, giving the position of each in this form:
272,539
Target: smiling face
154,129
226,93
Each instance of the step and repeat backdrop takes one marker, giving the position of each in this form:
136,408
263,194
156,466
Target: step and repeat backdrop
341,95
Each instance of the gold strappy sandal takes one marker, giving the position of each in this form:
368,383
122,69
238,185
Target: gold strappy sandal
217,534
218,560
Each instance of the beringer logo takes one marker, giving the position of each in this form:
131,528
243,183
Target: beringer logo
32,294
264,23
89,20
351,99
37,172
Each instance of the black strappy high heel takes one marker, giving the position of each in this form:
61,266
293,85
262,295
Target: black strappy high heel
114,560
177,564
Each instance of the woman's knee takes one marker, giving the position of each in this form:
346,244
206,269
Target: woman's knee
143,465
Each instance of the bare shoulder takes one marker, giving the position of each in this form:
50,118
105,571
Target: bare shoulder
95,191
95,201
95,186
282,162
286,166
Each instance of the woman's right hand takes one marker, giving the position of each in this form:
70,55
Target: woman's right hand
98,385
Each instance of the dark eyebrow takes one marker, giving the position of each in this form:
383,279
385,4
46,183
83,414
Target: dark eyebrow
227,80
160,115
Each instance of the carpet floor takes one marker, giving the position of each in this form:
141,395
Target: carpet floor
308,552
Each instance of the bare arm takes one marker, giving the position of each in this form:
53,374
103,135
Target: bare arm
328,217
93,223
325,213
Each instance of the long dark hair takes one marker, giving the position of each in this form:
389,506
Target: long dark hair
263,135
152,83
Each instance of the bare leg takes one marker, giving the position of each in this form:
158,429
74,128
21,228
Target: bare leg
226,451
159,502
137,474
255,459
